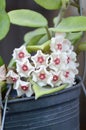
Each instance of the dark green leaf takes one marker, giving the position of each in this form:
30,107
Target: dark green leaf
82,46
49,4
71,24
74,37
28,18
1,61
2,4
4,24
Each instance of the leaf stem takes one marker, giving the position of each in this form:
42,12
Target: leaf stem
61,13
48,33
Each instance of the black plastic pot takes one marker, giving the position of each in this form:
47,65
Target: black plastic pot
58,111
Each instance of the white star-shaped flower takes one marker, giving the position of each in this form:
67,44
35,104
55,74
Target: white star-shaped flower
67,46
40,59
24,68
56,81
68,76
59,43
42,77
56,44
23,87
19,54
71,60
58,61
12,77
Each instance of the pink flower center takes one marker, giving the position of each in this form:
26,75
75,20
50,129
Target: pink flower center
57,61
55,78
66,74
24,88
59,46
68,59
24,67
40,59
21,54
13,79
42,76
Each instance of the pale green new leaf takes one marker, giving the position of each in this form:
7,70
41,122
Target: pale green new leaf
28,18
71,24
4,24
40,91
2,4
49,4
33,37
74,37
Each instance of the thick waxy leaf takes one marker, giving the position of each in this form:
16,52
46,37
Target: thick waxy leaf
2,4
33,37
34,40
74,37
43,39
82,46
40,91
4,24
49,4
28,18
71,24
44,47
1,61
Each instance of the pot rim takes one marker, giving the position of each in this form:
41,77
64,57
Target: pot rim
78,80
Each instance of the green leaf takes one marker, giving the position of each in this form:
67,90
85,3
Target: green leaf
34,40
71,24
4,24
43,39
28,18
82,46
1,61
56,20
74,37
40,91
49,4
12,63
2,90
33,37
2,4
45,47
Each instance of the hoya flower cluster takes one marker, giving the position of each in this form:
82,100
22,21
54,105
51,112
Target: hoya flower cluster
52,69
